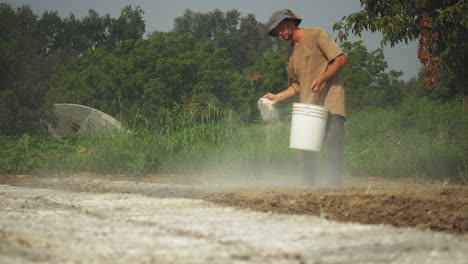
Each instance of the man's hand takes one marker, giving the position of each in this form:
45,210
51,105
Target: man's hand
274,98
315,86
335,66
291,91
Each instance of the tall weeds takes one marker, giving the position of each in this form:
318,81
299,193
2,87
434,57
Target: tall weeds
420,137
186,143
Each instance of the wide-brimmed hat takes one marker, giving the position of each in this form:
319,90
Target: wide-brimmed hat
279,16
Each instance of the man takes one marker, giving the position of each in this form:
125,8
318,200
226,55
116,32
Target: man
314,61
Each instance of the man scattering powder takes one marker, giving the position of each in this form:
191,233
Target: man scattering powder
314,62
268,111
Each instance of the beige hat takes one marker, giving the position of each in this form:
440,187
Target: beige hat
279,16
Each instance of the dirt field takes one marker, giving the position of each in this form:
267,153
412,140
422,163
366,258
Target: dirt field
77,206
438,206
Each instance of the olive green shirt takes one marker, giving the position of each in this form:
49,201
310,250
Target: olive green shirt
309,60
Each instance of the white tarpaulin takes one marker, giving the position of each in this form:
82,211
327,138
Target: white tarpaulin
80,119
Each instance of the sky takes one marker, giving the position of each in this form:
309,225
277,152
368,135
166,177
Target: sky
160,14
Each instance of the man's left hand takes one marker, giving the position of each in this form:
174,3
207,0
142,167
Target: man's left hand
315,86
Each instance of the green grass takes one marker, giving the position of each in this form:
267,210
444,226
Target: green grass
187,144
419,138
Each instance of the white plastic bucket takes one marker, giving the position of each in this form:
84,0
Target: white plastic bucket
308,126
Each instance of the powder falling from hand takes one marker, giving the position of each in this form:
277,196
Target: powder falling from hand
268,111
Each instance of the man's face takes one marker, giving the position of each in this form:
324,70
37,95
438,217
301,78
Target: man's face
283,30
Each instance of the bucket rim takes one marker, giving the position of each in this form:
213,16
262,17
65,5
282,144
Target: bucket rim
311,113
308,106
304,110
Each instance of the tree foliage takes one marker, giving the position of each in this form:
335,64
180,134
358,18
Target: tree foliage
440,26
209,62
366,80
32,46
244,38
21,68
163,74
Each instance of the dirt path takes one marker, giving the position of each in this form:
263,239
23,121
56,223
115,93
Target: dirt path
90,219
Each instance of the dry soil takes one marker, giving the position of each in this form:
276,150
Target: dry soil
186,219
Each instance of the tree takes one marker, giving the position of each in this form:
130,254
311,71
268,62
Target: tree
22,105
209,26
366,80
94,31
32,46
440,26
244,38
166,73
129,25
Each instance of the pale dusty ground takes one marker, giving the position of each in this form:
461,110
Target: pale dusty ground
79,220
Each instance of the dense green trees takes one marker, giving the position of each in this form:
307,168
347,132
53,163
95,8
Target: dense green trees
366,80
208,62
21,68
244,38
31,47
163,74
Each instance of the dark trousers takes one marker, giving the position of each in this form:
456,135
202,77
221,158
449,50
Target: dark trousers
334,143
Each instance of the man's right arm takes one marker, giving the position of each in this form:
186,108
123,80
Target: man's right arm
289,92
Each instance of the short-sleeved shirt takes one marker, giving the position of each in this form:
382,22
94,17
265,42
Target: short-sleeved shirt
309,60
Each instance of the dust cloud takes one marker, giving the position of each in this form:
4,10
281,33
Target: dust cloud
268,111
